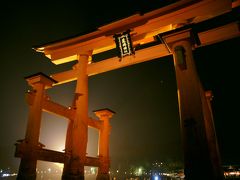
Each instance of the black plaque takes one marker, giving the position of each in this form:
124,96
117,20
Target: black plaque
124,44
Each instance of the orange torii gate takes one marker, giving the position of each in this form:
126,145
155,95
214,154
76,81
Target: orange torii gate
174,29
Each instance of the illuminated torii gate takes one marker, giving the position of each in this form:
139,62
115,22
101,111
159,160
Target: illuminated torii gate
174,29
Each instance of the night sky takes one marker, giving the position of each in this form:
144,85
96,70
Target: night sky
146,124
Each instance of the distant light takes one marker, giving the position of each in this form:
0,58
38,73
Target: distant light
140,170
156,177
5,175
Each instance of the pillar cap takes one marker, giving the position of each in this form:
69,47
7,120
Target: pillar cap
186,32
40,78
104,112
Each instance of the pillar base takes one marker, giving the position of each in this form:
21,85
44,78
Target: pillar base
73,177
24,176
103,177
27,167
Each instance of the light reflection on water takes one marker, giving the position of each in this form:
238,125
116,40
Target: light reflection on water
58,177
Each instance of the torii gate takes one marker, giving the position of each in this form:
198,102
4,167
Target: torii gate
175,29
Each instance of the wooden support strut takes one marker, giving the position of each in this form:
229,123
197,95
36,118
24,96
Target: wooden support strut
27,168
51,156
52,107
67,112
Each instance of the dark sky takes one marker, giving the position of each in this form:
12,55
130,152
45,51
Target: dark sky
146,124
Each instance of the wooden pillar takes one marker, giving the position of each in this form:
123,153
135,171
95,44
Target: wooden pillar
77,134
68,147
199,143
211,135
27,168
104,115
